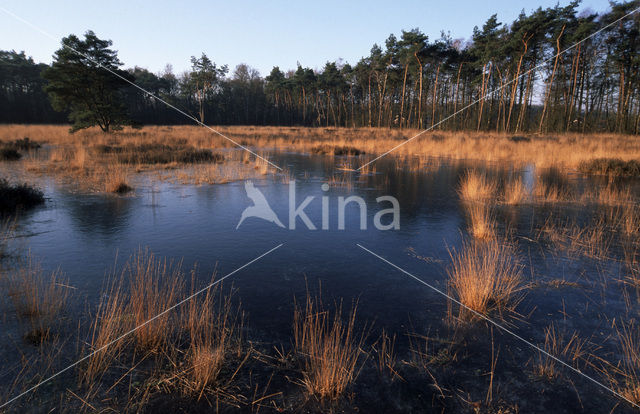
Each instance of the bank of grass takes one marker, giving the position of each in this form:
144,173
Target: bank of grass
188,351
156,153
336,150
563,150
615,167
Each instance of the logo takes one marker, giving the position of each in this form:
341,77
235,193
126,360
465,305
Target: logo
262,210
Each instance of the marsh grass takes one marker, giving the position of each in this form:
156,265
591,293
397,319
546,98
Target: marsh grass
214,327
567,150
114,178
515,192
112,320
328,347
384,349
37,296
155,284
611,167
482,220
568,348
624,376
157,153
476,187
485,277
593,240
190,350
336,150
24,144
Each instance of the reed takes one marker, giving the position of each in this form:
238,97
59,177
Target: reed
485,277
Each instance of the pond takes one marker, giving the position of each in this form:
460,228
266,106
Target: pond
89,236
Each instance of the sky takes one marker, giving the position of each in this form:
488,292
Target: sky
262,34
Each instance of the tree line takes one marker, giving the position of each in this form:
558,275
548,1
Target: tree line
527,84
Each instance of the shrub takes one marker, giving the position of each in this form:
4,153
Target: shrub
13,197
336,150
24,144
9,154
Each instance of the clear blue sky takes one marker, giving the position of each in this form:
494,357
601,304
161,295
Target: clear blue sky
262,34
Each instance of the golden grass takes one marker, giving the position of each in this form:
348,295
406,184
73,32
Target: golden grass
629,220
37,296
386,356
485,277
214,326
482,221
112,320
515,192
329,348
477,187
155,284
568,348
549,193
192,345
565,150
115,179
624,376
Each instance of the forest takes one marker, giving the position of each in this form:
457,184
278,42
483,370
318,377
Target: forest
409,82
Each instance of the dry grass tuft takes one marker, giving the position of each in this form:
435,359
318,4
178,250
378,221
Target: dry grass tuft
483,223
155,285
115,179
624,376
385,351
485,277
39,297
475,186
328,347
515,192
111,322
214,327
570,349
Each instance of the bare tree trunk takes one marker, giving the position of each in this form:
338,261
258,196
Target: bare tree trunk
455,99
553,74
420,92
435,90
482,92
404,84
517,79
